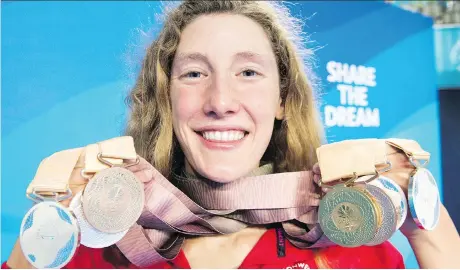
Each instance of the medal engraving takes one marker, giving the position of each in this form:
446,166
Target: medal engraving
113,200
347,216
49,235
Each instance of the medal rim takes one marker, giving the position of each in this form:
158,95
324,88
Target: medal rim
137,214
403,197
412,204
77,232
373,242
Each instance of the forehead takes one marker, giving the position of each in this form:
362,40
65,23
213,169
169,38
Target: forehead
223,35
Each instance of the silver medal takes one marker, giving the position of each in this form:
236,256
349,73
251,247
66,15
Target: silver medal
91,237
388,216
396,194
49,235
424,199
113,200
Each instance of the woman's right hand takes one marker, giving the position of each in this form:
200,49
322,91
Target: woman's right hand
76,184
143,171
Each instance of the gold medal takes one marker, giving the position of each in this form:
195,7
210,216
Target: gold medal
348,216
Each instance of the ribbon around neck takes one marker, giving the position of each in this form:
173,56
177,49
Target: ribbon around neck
194,207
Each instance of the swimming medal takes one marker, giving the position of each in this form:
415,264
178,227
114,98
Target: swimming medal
348,216
113,200
49,235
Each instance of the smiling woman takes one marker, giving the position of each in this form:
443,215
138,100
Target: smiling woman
224,93
231,66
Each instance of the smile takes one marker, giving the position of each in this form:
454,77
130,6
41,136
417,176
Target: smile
223,136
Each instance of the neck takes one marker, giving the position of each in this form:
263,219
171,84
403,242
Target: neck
206,251
236,246
264,169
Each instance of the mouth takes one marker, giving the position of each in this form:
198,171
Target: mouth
213,138
223,136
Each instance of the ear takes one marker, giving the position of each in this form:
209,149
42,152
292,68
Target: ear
280,111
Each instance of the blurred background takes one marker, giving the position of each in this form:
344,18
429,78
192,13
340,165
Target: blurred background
66,68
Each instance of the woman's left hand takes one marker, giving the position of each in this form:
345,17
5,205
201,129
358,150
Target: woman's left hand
401,170
434,249
437,248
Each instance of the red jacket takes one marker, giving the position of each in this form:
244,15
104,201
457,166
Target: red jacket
268,253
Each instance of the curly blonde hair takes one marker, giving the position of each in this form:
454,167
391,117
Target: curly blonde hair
294,139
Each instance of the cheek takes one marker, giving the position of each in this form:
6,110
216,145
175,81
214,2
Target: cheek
262,105
185,104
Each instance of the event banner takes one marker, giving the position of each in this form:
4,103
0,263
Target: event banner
68,66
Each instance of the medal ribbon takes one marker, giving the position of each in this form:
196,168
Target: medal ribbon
52,176
197,207
353,158
53,173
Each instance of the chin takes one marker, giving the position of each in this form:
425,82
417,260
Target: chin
224,175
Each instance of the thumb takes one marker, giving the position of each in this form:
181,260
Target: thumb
143,170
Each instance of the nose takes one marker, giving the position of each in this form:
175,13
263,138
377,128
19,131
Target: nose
221,101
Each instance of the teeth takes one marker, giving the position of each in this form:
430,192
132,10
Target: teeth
224,136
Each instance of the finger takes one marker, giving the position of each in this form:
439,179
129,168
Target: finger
140,166
316,169
397,158
144,171
316,178
145,176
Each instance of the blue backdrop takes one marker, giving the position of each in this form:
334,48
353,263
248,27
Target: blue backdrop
67,67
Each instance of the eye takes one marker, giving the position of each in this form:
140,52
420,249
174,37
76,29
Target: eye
249,73
193,74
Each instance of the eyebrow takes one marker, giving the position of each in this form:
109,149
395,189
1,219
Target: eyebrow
196,56
251,56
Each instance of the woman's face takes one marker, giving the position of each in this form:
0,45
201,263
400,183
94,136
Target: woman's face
225,95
